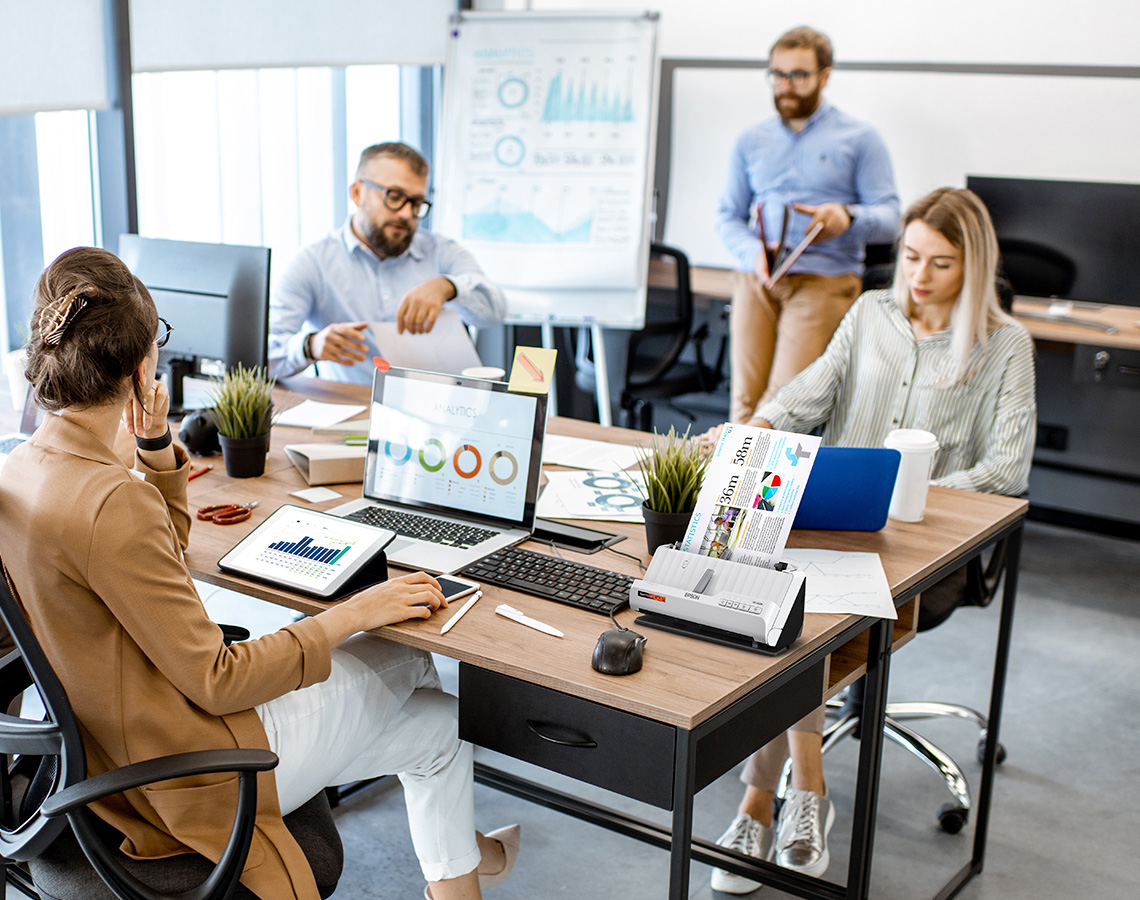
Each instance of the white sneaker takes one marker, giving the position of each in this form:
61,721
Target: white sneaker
744,835
801,833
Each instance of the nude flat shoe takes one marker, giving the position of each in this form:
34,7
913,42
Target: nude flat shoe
509,837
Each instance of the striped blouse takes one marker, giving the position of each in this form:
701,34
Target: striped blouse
875,376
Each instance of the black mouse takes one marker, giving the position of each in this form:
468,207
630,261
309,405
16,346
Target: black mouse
618,652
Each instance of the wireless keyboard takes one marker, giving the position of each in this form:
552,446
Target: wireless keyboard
552,578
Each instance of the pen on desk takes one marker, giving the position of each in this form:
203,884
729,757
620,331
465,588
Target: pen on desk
356,440
509,612
196,472
459,615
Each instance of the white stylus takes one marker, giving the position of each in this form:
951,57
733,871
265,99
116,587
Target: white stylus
514,615
459,615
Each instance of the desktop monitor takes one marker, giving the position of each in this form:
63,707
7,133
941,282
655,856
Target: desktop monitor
216,298
1074,240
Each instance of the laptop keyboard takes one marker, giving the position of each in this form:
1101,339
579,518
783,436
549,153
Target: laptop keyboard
552,578
424,528
9,444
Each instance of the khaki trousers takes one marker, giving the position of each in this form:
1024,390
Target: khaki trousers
777,333
763,768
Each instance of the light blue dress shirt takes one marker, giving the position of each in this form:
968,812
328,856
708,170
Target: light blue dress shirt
835,159
340,279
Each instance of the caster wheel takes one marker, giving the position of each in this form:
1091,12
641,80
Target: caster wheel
999,757
951,817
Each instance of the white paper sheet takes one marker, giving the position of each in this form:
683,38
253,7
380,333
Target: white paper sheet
581,453
844,582
610,496
446,348
312,413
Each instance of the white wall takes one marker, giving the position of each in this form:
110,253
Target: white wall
939,127
1095,32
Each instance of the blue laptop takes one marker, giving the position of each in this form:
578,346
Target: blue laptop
849,489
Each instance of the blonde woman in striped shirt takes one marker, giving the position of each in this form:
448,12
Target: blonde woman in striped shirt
936,352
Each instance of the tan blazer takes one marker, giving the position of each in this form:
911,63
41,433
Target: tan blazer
95,555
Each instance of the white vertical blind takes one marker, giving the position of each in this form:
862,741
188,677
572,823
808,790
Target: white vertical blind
168,35
51,56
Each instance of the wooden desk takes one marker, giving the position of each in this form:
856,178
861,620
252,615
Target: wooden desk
687,717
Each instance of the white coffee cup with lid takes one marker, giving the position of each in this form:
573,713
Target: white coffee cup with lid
908,502
490,373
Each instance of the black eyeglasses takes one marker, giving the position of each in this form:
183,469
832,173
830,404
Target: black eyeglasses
395,199
162,340
797,78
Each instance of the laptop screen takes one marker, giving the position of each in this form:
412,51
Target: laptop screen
455,445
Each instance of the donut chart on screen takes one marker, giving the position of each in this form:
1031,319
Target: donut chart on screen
474,470
398,460
436,466
510,458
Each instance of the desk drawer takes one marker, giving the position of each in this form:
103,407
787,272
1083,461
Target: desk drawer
597,744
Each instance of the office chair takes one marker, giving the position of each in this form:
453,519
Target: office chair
975,584
654,369
1035,270
52,847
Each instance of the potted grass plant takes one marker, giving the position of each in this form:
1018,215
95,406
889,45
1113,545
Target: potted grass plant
673,470
243,411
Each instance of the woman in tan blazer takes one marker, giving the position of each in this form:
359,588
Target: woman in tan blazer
94,555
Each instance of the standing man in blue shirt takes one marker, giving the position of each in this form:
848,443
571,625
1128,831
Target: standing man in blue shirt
378,267
825,167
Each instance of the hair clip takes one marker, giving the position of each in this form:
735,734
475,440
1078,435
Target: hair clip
56,316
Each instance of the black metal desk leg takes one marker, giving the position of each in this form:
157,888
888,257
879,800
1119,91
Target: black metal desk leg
997,694
684,779
870,756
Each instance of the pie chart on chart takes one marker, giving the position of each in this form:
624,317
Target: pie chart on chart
769,487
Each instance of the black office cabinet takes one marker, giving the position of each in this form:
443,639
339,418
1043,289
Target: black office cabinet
1087,460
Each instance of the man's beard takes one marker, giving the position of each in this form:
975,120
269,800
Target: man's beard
386,245
801,108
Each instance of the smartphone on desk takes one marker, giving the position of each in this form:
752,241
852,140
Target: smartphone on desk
454,587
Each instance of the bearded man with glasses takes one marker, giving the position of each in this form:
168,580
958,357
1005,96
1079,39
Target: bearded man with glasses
380,266
809,164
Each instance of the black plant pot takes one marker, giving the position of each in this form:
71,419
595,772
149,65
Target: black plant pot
663,527
245,457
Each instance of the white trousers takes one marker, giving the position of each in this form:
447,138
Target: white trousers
380,712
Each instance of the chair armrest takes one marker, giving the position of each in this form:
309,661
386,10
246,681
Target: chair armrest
178,765
32,736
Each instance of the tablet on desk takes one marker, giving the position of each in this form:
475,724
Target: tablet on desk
308,551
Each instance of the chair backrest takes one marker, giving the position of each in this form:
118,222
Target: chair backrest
655,349
48,754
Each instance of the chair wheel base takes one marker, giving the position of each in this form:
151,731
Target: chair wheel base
952,818
999,756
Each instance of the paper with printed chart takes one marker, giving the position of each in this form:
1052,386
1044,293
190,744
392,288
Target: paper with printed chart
607,495
844,582
750,495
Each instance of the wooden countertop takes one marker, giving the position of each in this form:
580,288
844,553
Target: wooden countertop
684,681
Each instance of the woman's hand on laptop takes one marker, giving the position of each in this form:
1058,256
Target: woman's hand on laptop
412,596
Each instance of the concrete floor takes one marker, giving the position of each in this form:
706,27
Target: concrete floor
1066,806
1065,813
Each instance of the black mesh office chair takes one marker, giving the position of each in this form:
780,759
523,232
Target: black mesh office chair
654,368
975,584
52,847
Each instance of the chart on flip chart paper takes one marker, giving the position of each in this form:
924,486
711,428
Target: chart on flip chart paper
547,154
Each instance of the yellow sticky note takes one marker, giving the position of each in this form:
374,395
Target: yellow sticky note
533,370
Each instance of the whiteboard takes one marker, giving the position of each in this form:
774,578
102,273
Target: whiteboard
938,126
546,159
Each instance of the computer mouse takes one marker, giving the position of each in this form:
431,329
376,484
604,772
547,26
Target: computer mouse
618,652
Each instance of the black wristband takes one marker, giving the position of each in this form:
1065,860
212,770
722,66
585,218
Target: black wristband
158,443
307,346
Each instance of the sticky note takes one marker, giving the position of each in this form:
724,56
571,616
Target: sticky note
532,370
